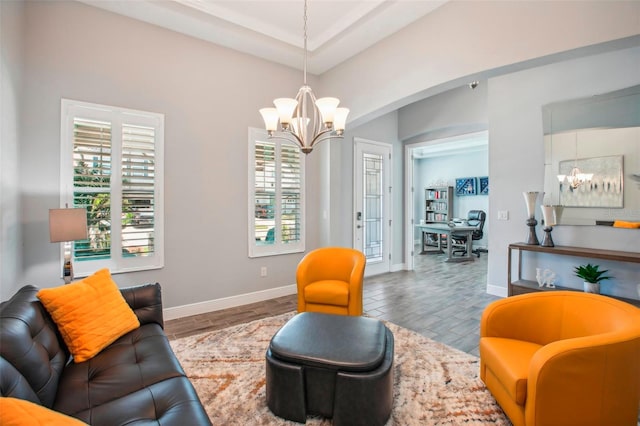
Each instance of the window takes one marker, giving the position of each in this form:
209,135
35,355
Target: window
111,164
276,196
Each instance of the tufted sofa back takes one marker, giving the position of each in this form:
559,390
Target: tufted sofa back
32,351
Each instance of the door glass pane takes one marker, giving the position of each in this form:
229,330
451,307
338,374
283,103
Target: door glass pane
372,206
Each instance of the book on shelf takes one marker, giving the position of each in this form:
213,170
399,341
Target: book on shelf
436,217
437,206
433,194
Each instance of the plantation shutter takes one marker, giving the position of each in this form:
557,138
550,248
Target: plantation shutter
138,190
276,196
91,185
265,192
290,201
112,165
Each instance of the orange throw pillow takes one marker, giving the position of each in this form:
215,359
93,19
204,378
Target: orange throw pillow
625,224
90,314
18,412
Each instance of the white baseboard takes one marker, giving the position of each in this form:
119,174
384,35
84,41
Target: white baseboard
398,267
227,302
497,290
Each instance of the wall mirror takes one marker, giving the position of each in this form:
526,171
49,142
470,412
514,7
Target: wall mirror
592,158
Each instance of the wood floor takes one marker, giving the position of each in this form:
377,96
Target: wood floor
442,301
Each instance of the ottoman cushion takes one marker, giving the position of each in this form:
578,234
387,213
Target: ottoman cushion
333,366
331,342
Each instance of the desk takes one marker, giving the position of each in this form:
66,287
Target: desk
443,228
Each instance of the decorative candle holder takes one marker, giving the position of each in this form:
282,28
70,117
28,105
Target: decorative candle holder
548,216
530,199
547,241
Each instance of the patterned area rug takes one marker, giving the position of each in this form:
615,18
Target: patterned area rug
434,383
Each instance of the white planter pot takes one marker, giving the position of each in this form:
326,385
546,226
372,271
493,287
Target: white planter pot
591,287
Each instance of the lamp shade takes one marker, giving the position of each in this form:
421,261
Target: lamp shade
285,108
270,117
327,107
67,225
340,118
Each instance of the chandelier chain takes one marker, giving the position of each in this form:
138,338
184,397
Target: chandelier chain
305,42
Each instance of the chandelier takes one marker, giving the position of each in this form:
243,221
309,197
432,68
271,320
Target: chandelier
576,177
305,120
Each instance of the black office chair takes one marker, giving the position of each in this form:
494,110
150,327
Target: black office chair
474,218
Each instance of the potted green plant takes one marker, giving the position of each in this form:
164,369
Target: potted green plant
591,276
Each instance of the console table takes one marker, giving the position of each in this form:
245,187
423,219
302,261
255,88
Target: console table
521,286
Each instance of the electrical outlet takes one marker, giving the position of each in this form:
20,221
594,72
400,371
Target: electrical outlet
263,271
503,214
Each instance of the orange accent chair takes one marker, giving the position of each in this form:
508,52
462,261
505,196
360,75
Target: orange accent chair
330,281
562,358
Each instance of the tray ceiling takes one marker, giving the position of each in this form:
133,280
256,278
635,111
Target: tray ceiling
273,29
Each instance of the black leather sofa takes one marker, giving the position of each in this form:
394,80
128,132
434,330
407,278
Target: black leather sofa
135,380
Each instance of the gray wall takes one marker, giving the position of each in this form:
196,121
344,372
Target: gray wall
472,40
516,158
382,129
455,112
11,83
209,96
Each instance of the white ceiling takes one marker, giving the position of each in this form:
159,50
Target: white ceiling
273,29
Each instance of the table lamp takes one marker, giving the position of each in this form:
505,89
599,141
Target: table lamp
66,225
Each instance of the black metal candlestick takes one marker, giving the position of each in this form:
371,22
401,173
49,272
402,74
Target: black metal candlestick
532,239
547,241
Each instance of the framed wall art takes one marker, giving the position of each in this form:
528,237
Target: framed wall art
466,186
604,188
483,185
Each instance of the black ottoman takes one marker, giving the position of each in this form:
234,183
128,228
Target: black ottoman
331,365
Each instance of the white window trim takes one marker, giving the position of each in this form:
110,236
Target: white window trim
116,263
278,247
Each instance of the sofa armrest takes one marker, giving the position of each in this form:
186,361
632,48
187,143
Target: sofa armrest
146,302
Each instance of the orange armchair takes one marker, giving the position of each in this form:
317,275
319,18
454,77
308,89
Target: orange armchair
329,280
562,358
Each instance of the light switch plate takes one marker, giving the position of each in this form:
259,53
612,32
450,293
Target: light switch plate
503,214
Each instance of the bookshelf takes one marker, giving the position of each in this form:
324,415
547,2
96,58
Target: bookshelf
438,204
438,209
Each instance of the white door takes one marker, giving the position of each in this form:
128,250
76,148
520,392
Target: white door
372,204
